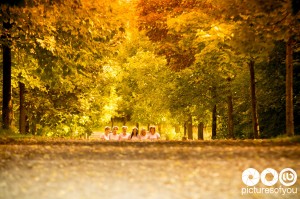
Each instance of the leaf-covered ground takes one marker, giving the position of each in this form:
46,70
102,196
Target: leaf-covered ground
73,169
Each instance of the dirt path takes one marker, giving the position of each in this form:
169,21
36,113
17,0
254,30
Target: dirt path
88,170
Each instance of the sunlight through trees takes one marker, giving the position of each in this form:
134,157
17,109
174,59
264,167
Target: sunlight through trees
229,67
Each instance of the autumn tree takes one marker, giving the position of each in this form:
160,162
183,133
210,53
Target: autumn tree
6,40
60,58
144,80
153,16
274,20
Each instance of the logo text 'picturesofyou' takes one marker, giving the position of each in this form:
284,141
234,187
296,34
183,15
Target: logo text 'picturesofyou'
287,177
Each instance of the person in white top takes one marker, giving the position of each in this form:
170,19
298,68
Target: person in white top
135,134
105,135
124,135
144,136
114,136
153,135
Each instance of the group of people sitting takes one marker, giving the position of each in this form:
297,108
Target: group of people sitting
113,135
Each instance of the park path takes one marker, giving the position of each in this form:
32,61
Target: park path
168,170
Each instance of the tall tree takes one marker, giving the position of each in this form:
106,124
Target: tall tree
63,48
213,58
22,117
275,21
153,17
200,131
7,113
6,50
190,127
289,88
293,10
255,126
230,110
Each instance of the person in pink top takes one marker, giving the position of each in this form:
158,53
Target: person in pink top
105,135
124,135
144,136
135,134
114,136
153,135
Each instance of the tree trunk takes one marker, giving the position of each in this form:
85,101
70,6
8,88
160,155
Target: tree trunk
190,128
177,128
112,122
27,125
184,129
22,116
159,128
200,131
255,126
289,89
230,117
214,113
124,120
7,100
137,126
33,130
230,111
214,123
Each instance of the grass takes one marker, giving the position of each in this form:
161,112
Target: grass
14,135
284,138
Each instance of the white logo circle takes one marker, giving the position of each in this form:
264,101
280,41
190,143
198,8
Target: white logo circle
288,177
267,182
250,177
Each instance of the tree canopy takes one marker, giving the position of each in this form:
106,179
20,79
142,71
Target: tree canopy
78,65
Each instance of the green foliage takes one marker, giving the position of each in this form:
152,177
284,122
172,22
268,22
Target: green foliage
84,63
171,135
59,52
144,82
7,132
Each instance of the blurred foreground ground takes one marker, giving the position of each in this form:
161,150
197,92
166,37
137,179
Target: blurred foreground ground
68,169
